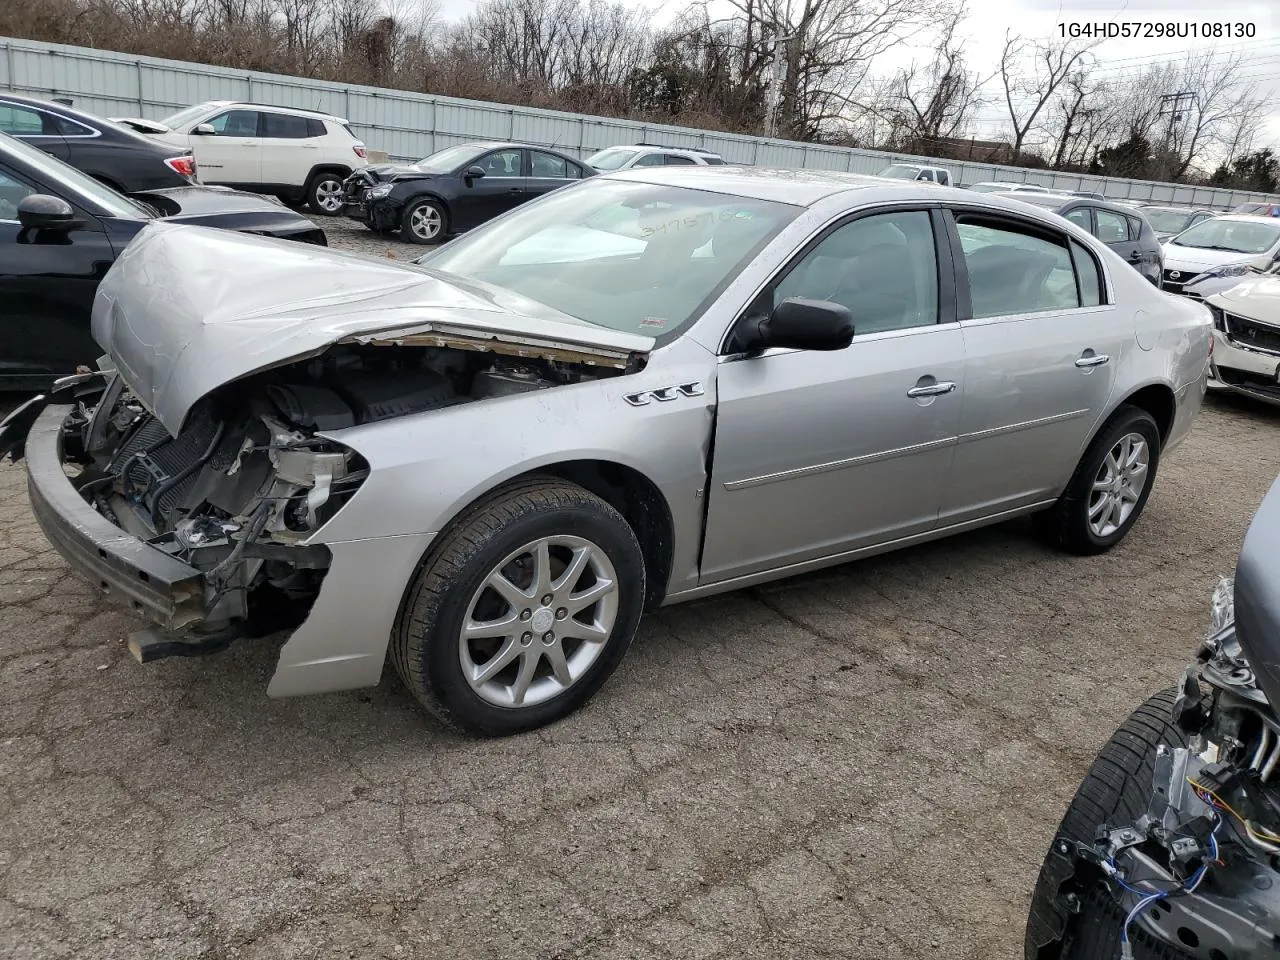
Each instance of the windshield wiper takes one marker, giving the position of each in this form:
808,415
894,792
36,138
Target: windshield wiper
1213,246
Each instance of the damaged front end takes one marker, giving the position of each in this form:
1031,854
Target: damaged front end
1196,873
203,533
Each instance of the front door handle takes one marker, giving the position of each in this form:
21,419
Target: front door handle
1093,360
931,390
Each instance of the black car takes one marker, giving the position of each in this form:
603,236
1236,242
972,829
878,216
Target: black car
1124,229
108,152
59,232
1171,221
456,189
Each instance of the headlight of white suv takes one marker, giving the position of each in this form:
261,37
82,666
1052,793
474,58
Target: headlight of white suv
1228,270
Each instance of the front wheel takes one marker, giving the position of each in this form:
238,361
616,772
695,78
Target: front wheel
423,222
325,194
1116,791
1109,488
522,610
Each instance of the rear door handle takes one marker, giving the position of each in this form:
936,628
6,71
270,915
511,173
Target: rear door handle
931,390
1093,360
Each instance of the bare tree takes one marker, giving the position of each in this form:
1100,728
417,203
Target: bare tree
827,47
1225,102
1048,64
935,101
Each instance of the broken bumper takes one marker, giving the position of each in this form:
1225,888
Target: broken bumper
150,582
1243,370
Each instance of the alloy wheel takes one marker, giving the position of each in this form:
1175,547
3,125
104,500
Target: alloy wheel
425,222
1118,485
329,196
539,621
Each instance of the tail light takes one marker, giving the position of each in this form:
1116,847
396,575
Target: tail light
360,151
185,166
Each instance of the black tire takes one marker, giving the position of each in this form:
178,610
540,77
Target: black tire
407,233
1065,525
324,183
1116,791
425,643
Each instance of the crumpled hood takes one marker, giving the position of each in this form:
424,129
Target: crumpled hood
186,309
1257,298
383,172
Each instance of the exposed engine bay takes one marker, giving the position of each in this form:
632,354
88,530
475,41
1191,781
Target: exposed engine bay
249,478
1199,871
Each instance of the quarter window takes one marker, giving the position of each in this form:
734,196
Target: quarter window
649,160
236,123
1012,270
883,268
1089,274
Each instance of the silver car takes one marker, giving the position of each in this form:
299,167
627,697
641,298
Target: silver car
642,389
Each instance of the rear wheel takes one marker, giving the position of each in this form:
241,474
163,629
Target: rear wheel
523,609
1110,486
325,194
1116,791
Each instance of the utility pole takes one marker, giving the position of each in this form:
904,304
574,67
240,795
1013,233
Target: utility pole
1174,106
775,84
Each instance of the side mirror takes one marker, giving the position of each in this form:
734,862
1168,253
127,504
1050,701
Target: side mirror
474,172
40,211
203,130
799,324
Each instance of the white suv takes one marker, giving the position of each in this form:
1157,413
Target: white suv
298,155
650,155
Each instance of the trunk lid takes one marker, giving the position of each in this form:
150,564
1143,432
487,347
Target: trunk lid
187,309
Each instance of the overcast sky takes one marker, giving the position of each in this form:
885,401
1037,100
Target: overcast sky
1119,59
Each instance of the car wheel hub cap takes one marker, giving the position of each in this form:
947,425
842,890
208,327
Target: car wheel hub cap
329,195
425,222
1118,485
538,621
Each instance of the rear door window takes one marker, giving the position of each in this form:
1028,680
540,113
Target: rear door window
283,126
1014,268
1112,227
676,160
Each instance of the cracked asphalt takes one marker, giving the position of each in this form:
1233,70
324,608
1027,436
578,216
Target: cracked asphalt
865,762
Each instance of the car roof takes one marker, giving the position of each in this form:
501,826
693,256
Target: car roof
112,130
808,187
300,111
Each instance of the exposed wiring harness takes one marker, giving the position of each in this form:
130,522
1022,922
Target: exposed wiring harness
1148,898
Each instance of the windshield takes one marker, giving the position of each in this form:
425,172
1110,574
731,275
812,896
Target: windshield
77,187
451,158
1166,221
634,257
180,119
611,159
900,171
1236,236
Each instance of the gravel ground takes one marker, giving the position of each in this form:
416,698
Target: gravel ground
865,762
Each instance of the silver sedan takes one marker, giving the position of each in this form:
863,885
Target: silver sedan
642,389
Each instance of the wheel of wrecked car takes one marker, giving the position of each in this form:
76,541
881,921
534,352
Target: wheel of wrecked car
1110,486
522,609
1079,915
423,222
325,194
